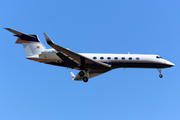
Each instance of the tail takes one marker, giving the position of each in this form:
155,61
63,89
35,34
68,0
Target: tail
31,43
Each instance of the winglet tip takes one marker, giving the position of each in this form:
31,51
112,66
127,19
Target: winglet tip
49,41
7,28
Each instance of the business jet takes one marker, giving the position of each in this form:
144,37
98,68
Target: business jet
88,64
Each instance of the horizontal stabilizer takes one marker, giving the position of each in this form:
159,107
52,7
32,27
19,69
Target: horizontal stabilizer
17,33
22,37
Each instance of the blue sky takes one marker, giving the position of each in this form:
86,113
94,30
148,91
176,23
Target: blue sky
36,91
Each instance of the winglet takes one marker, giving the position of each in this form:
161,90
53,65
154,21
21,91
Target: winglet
72,75
49,41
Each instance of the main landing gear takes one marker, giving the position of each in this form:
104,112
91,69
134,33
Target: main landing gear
85,75
81,73
85,79
160,75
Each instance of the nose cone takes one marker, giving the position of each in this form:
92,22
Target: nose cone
170,64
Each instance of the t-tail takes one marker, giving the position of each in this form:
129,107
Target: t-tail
31,43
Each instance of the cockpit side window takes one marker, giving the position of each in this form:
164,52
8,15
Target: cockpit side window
159,57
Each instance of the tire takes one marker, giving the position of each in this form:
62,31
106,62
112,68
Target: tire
81,73
160,75
85,79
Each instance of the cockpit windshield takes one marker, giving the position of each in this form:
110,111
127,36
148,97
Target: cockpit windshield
159,57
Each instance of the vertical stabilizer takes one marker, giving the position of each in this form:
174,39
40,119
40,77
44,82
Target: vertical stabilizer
31,43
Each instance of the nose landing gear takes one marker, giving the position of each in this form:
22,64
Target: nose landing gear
160,75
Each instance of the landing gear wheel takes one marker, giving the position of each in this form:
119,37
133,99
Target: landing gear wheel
85,79
160,75
81,73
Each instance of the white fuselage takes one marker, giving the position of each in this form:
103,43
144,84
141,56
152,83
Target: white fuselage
116,60
89,64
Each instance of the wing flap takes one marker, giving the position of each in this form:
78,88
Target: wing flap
67,60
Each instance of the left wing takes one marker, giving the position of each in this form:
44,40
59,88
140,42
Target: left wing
92,73
73,59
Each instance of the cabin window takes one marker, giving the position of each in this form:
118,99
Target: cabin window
101,58
108,58
123,58
116,58
130,58
137,58
94,58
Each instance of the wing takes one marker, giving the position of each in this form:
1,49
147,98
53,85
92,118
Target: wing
73,59
92,73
